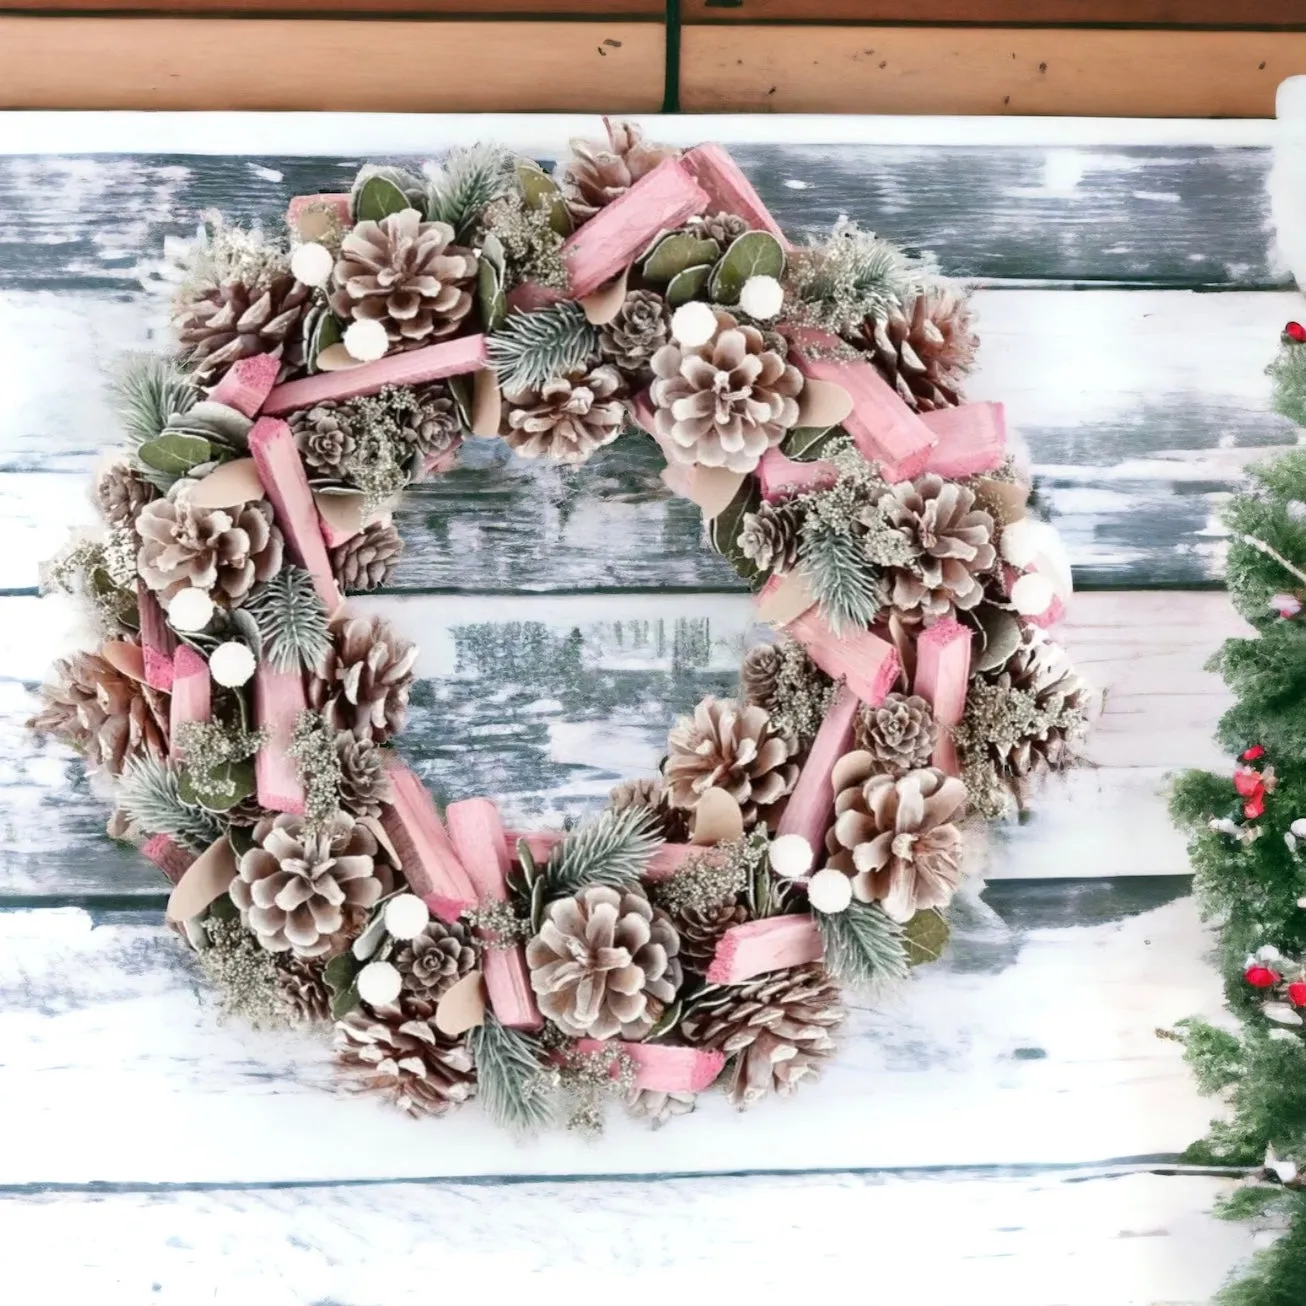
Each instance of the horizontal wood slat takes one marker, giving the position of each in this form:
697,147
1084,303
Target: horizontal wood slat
371,9
1049,13
1109,73
238,63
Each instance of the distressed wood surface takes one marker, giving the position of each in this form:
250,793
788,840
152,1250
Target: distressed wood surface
1154,13
1081,1237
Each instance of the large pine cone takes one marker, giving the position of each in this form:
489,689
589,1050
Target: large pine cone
225,551
605,964
1041,669
955,542
362,682
894,836
568,418
366,561
725,746
769,537
408,1061
725,403
642,326
776,1028
120,494
925,348
701,929
104,715
294,886
597,174
219,325
433,963
324,437
406,274
900,734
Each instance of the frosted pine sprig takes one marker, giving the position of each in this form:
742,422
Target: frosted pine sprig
613,849
292,620
834,564
469,181
864,949
512,1085
532,347
147,392
149,796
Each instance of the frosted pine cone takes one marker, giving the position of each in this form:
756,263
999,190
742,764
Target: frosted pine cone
896,837
724,228
605,963
769,537
428,424
362,682
1041,669
407,1061
407,274
758,675
364,785
925,348
776,1029
120,494
367,560
651,792
597,174
900,734
433,963
294,885
701,929
640,329
218,325
657,1107
324,438
725,403
568,418
225,551
302,990
724,746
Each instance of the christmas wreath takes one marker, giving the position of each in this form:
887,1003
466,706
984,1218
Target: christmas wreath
802,837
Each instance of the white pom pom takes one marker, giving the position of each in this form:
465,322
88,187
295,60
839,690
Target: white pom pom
791,856
1019,545
190,609
830,891
366,341
693,324
231,664
406,916
312,263
762,297
1032,594
378,983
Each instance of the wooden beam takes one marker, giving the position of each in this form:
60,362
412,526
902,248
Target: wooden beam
1105,73
251,63
365,8
1048,13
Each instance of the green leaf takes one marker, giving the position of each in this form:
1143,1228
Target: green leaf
219,789
925,936
326,332
341,976
685,285
377,198
491,302
726,525
240,839
1001,634
223,909
668,1020
175,455
754,254
540,191
805,444
460,391
681,250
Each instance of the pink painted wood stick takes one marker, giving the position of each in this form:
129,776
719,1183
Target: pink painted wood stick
338,204
610,241
430,863
664,1067
171,858
728,190
971,439
192,693
281,470
760,946
781,477
942,677
668,859
247,383
869,664
278,701
529,296
158,643
412,367
810,809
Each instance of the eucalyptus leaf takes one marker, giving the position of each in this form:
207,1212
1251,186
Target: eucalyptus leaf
1001,634
805,444
460,391
754,254
727,524
175,454
370,939
240,839
220,424
685,285
925,936
540,191
223,909
491,302
377,198
327,331
341,977
218,790
668,1020
679,251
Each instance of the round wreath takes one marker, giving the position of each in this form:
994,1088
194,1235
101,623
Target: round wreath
804,836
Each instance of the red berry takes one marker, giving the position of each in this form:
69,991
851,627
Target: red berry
1253,753
1248,783
1297,993
1295,332
1261,977
1254,807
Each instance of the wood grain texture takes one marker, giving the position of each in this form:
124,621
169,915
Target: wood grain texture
237,63
1068,13
370,9
1102,1235
1121,73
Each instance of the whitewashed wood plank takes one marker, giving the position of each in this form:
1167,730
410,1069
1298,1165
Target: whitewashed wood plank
1134,437
1078,1238
1024,1046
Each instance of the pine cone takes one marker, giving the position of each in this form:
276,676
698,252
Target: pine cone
900,734
433,963
724,746
324,438
651,792
104,715
120,494
955,542
701,929
406,274
568,418
362,682
724,228
769,537
292,887
1041,669
642,326
605,963
895,837
219,325
925,348
758,676
222,550
367,560
302,990
429,424
657,1107
725,403
364,785
408,1061
776,1028
596,174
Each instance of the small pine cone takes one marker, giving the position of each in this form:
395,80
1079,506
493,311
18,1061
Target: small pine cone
925,348
776,1028
642,326
657,1107
302,990
366,561
433,963
769,537
724,228
408,1061
900,734
364,785
430,425
758,676
596,174
362,681
219,325
121,494
568,418
701,929
324,438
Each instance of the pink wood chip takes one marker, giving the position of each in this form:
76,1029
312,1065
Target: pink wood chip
171,858
191,692
869,664
942,678
664,1067
728,190
756,947
971,439
540,842
810,809
158,643
278,701
781,477
247,384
